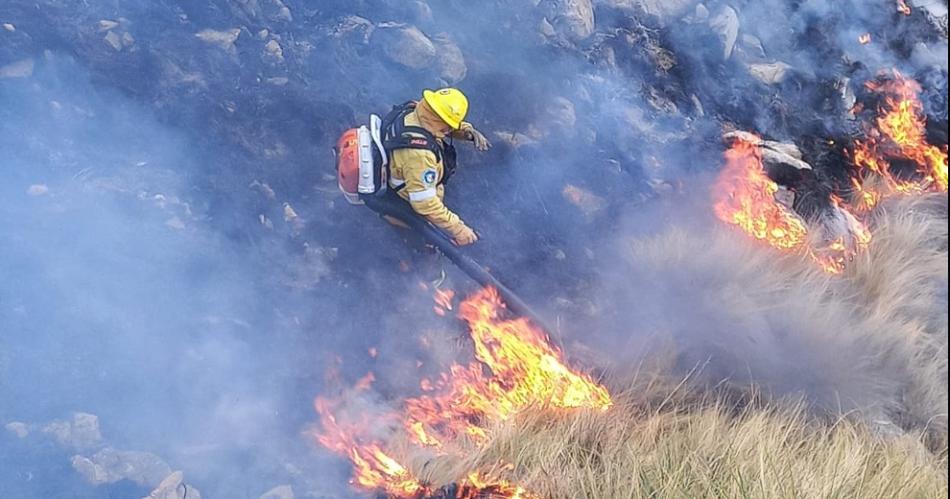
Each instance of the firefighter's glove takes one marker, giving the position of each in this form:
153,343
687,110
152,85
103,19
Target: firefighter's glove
480,140
465,236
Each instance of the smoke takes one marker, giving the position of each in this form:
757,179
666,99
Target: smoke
124,297
155,277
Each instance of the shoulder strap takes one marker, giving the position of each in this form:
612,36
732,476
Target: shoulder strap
400,136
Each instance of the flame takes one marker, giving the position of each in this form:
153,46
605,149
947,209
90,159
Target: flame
523,369
746,198
903,7
899,133
515,367
864,39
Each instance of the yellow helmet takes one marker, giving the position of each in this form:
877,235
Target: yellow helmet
449,103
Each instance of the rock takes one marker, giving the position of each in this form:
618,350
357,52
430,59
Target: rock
560,115
585,200
751,48
405,45
173,487
80,433
769,73
113,40
452,66
37,190
775,155
110,466
419,12
283,12
352,27
273,51
18,69
700,15
221,39
9,27
726,25
280,492
127,39
573,19
21,430
107,24
662,10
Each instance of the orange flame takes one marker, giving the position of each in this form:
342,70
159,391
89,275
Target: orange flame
746,198
525,370
899,134
516,367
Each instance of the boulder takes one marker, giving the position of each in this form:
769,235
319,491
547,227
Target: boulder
664,11
18,69
221,39
280,492
405,45
573,19
82,432
20,430
111,465
771,73
451,61
174,487
726,26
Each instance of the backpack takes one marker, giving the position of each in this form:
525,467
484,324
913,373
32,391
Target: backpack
363,154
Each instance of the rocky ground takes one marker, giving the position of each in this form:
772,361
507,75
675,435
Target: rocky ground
600,111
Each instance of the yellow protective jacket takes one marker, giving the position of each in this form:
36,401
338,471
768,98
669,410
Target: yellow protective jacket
421,172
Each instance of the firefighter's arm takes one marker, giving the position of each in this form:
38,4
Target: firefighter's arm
468,132
422,175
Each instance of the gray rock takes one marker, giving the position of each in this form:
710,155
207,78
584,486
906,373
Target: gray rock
21,430
18,69
560,114
752,48
573,19
774,154
354,26
726,25
664,11
451,61
405,45
282,12
221,39
769,73
273,51
280,492
82,432
113,40
107,24
110,466
174,487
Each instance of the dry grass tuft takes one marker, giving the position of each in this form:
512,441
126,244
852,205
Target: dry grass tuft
796,384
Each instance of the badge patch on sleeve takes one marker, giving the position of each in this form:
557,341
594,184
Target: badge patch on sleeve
430,176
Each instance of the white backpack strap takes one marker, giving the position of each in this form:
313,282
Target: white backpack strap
375,129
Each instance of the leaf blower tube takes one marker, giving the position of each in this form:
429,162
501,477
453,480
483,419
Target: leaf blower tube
390,205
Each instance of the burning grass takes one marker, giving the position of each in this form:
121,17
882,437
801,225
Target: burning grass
871,422
665,448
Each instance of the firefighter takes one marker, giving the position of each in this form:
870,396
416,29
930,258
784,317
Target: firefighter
422,157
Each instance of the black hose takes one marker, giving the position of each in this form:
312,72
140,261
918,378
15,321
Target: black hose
389,204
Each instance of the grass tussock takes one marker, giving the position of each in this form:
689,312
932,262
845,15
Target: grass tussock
635,452
863,357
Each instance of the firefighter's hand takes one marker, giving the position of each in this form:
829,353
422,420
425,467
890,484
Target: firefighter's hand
480,140
465,237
